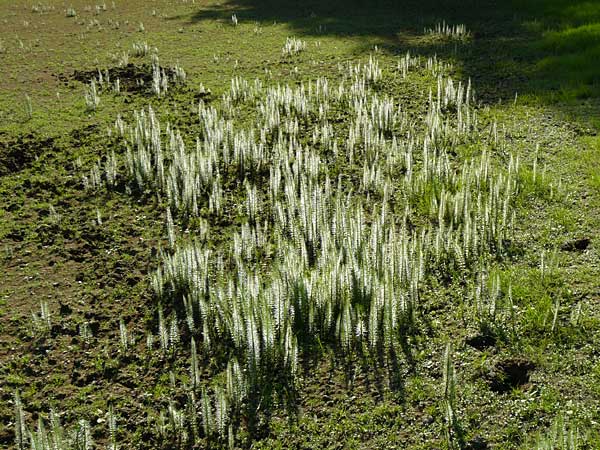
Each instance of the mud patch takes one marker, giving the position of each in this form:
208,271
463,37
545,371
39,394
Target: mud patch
18,154
510,374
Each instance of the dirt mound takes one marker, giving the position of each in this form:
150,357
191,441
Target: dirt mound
133,79
19,153
510,374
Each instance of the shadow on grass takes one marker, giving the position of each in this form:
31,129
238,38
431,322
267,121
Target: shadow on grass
545,50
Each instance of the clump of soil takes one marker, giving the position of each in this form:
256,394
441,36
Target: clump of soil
510,374
18,154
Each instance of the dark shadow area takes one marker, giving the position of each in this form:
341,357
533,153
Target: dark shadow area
385,18
544,50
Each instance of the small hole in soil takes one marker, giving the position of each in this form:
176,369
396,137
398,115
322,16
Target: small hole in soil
20,153
510,374
477,443
577,244
481,341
